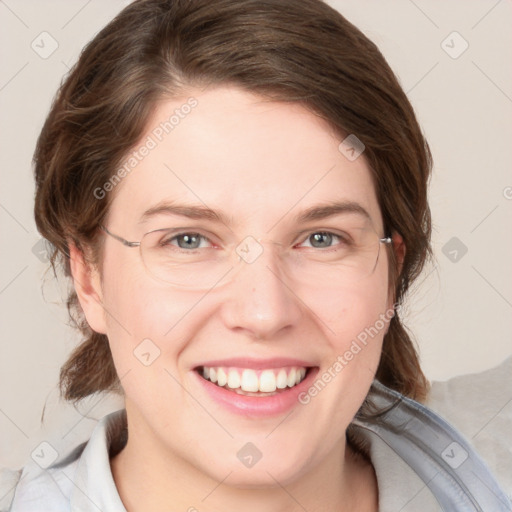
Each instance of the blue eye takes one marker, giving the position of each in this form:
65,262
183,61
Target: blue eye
190,241
185,240
322,239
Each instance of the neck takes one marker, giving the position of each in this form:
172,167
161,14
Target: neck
150,477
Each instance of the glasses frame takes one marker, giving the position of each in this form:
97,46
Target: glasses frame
386,240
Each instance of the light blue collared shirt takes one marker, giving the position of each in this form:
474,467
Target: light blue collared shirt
420,461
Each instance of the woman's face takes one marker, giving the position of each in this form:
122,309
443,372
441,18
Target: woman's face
260,165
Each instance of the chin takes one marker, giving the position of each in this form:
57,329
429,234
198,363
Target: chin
263,478
267,472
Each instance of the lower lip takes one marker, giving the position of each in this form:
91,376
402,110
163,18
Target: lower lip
257,406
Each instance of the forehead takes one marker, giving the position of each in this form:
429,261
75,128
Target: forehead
254,160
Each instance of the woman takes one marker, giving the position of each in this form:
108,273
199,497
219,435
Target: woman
238,191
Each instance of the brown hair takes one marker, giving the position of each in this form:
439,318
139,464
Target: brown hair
286,50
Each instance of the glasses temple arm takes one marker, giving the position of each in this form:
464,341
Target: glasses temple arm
120,239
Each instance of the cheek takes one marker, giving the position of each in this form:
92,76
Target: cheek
147,332
354,321
347,312
142,316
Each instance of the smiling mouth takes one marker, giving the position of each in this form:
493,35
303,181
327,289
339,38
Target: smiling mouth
250,382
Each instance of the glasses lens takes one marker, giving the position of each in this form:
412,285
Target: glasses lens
326,259
175,258
351,258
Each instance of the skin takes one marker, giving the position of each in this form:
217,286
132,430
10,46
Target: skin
258,162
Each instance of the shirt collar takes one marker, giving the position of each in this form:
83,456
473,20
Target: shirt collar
95,489
407,435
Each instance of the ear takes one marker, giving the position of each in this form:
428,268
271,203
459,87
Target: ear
86,280
399,250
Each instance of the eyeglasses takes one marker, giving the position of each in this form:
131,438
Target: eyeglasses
179,257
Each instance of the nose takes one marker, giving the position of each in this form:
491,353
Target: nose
260,301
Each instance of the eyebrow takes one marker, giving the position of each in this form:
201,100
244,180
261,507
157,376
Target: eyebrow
199,212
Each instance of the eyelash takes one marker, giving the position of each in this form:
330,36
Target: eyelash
326,249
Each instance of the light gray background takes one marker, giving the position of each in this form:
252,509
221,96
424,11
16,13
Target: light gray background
461,312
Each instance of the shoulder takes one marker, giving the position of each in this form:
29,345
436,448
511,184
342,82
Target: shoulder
8,482
36,487
420,458
479,405
474,398
79,480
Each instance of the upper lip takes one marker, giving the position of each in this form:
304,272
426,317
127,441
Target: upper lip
256,364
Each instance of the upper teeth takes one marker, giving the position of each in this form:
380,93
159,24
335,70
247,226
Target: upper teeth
248,379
